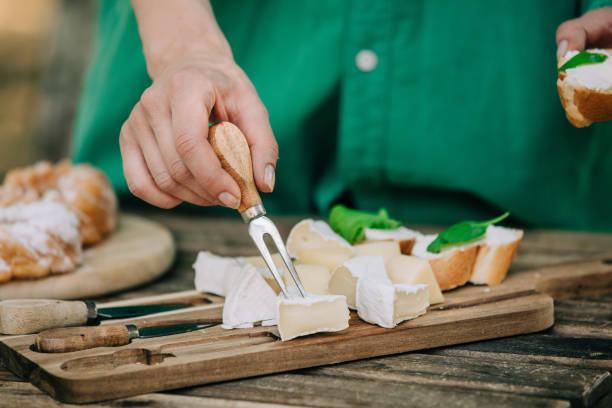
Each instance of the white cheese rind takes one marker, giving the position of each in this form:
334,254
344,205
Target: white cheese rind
299,316
216,274
344,278
250,300
314,234
411,270
387,305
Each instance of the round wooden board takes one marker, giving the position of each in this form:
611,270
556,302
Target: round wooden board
137,252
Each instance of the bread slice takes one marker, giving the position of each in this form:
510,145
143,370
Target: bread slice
495,255
586,91
452,267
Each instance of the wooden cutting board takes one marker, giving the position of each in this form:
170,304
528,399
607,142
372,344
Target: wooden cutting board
137,252
468,314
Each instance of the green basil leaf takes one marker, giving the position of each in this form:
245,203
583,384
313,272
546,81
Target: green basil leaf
351,224
583,58
462,233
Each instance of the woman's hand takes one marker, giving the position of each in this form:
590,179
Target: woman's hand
592,30
166,155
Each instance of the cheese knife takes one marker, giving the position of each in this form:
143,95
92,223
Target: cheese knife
25,316
232,149
66,339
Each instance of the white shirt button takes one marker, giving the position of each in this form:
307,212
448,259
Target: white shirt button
366,60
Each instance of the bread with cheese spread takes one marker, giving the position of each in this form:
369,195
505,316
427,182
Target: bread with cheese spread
586,90
485,261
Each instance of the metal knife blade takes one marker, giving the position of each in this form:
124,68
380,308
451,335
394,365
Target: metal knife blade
166,330
121,312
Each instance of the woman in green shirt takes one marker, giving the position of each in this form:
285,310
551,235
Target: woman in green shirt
438,110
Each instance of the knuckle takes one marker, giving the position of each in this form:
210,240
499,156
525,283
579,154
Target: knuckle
185,145
164,181
274,148
210,181
178,171
136,188
150,101
123,137
565,26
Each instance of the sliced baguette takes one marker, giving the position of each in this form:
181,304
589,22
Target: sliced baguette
495,255
586,91
452,267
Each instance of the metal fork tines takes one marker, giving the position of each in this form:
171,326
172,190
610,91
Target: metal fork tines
259,226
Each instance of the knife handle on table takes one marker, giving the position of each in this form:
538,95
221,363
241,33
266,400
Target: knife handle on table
65,339
25,316
233,152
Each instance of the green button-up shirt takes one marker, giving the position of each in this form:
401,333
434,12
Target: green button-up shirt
438,110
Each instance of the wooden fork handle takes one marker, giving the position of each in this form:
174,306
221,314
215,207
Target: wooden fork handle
232,149
65,339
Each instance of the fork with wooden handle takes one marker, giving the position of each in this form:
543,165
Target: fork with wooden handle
231,147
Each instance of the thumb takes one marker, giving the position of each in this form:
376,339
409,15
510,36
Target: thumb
251,117
571,35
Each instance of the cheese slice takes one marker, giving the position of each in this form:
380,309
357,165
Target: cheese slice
314,278
328,257
386,249
249,301
412,270
309,234
216,274
387,305
299,316
344,278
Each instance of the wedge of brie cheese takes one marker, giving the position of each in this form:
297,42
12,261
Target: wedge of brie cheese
386,249
412,270
216,274
314,278
300,316
387,305
310,234
328,257
250,300
344,278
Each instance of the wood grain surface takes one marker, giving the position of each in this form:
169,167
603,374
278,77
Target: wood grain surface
138,252
67,339
233,152
580,342
217,354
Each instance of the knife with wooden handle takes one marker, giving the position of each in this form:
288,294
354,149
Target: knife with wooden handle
25,316
66,339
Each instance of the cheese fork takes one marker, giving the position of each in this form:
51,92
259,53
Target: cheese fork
231,147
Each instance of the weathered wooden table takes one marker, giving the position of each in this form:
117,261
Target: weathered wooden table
567,365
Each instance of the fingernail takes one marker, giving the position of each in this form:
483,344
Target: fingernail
269,176
562,49
228,200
